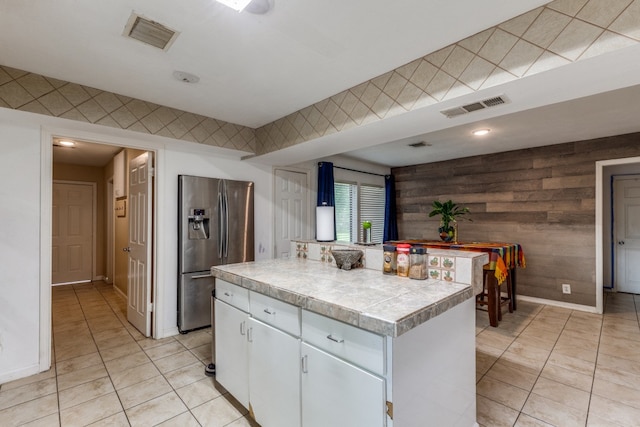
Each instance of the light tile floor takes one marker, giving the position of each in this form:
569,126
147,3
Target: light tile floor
542,366
547,366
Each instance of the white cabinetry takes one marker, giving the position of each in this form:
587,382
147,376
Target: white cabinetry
231,315
232,351
274,376
337,393
342,369
258,353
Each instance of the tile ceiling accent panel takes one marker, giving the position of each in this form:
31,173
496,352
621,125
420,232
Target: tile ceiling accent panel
21,90
557,34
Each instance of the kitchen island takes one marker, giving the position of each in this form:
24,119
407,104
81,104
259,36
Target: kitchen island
302,343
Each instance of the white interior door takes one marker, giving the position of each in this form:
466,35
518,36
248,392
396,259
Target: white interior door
71,233
140,247
291,209
627,234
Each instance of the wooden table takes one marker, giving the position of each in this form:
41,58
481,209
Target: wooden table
503,260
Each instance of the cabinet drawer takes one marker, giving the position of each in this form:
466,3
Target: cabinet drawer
360,347
276,313
233,295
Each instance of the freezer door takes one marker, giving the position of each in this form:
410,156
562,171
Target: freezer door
198,229
238,216
194,300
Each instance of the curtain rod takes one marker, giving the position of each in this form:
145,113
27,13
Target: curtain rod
355,170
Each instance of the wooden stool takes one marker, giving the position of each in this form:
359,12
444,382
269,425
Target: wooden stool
491,296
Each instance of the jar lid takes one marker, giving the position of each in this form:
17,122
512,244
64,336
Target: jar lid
403,246
389,248
419,251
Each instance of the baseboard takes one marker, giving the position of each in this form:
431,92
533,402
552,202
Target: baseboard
117,289
98,278
561,304
169,333
19,373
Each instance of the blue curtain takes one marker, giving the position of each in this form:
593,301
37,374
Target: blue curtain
326,194
390,220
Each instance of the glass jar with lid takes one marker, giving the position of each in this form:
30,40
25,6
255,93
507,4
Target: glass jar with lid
389,260
402,260
418,263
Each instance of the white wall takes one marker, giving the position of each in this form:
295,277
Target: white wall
24,275
19,249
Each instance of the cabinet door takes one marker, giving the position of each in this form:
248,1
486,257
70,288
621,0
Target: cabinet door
274,376
232,352
338,394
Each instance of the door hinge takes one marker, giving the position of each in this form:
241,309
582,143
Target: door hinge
150,307
152,171
390,409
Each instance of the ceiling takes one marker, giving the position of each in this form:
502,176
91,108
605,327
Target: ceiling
254,69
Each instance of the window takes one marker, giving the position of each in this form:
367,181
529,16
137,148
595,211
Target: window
354,204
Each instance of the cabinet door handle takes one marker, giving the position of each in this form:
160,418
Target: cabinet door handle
305,367
242,328
266,310
339,341
249,335
227,294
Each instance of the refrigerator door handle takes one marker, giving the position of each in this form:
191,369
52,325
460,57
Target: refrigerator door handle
220,226
226,222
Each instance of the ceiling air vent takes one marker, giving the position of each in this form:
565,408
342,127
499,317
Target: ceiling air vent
149,32
475,106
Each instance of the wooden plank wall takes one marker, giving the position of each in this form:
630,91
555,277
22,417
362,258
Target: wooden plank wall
542,198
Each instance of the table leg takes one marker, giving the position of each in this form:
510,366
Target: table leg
512,273
493,297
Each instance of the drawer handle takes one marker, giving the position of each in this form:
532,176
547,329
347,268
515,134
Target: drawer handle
339,341
266,310
227,294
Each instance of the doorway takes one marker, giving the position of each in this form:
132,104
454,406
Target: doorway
605,169
73,232
100,142
291,218
626,233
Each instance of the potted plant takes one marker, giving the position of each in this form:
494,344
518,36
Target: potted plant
449,213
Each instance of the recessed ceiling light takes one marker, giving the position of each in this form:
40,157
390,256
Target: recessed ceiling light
238,5
481,132
65,143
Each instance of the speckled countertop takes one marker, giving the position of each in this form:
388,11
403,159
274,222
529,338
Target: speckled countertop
368,299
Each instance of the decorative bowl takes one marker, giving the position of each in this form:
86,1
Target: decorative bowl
347,259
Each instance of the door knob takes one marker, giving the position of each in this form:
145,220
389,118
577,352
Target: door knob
126,249
621,242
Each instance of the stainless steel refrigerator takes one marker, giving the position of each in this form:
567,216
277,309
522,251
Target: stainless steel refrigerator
215,227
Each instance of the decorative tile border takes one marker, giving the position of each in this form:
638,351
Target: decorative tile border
562,32
21,90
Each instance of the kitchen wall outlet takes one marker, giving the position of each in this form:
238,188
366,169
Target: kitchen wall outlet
566,288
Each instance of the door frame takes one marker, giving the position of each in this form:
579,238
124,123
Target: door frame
600,228
311,195
94,220
110,237
127,140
